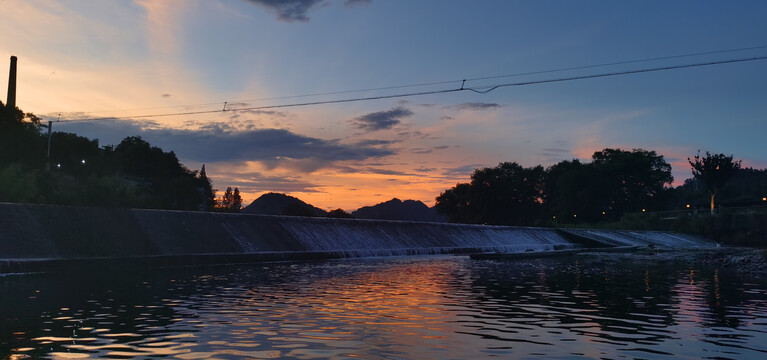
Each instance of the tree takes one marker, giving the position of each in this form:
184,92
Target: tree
575,189
714,170
507,194
630,180
205,188
231,201
339,214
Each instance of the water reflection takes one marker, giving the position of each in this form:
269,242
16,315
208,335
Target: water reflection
437,307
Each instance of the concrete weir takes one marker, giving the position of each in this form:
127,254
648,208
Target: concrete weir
36,237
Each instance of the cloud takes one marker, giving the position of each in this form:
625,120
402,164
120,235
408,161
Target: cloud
289,10
220,142
256,182
465,170
475,106
381,120
375,142
555,151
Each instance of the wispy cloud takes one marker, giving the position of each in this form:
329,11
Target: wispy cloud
382,119
465,170
289,10
257,182
473,106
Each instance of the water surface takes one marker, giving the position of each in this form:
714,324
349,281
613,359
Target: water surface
447,307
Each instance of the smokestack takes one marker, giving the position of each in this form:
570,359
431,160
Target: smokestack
12,85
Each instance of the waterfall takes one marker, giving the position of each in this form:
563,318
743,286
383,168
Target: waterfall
65,232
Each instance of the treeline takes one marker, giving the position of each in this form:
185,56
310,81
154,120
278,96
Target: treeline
616,182
80,172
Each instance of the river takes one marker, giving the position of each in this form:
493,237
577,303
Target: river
446,307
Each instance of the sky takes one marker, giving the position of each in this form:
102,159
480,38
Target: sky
106,69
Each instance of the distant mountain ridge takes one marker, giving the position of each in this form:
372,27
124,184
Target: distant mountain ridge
281,204
396,209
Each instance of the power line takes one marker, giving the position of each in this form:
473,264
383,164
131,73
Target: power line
449,81
490,88
479,90
620,63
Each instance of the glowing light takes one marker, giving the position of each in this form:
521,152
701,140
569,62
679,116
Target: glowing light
764,199
575,215
644,210
603,213
687,206
83,161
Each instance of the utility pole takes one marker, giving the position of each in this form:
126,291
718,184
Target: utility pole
50,129
11,103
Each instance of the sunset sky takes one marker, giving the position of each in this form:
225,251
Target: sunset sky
117,63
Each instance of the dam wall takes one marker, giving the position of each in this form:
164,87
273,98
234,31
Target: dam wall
50,232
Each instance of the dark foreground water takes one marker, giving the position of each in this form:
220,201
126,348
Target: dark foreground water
392,308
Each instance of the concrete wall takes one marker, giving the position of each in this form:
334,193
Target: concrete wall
64,232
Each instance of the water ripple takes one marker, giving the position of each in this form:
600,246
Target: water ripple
438,307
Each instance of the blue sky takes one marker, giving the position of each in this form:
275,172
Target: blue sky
128,59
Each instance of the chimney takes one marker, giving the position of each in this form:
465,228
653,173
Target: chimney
11,103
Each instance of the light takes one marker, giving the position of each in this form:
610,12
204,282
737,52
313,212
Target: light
554,217
687,206
764,199
58,166
83,161
603,213
575,216
644,210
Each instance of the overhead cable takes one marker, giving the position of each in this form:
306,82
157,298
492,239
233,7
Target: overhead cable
479,90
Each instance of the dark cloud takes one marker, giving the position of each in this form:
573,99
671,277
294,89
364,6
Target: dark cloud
374,142
421,151
553,154
381,120
219,142
165,95
425,169
256,182
555,150
465,170
298,10
289,10
473,106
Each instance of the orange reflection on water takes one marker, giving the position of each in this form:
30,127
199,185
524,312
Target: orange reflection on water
401,305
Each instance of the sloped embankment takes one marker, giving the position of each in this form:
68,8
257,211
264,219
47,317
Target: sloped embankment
64,232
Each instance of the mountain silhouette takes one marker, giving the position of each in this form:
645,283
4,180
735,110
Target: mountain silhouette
395,209
281,204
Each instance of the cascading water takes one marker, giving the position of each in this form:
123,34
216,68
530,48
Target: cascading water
63,232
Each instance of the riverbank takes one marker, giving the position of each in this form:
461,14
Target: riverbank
743,260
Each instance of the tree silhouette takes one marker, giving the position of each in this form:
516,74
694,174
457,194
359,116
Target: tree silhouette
231,201
630,180
208,194
507,194
714,170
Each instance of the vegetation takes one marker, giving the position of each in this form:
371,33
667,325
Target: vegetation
80,172
614,183
714,170
620,190
230,202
